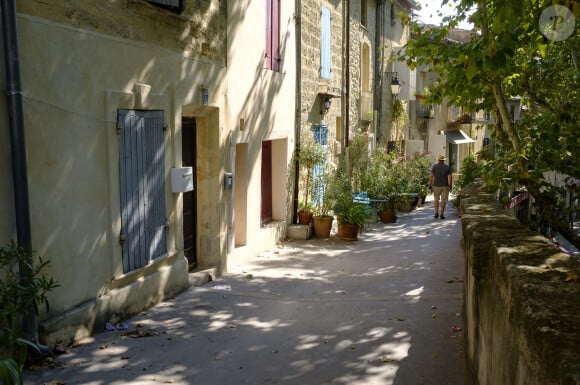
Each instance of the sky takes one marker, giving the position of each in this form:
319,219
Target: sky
430,9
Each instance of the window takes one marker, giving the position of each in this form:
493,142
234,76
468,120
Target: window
325,60
142,181
173,5
365,68
273,35
363,13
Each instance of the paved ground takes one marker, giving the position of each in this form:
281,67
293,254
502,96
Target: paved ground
383,310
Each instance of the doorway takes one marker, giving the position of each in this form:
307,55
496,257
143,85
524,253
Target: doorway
266,183
189,214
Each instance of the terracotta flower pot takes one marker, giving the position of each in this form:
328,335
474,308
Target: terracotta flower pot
388,216
350,231
304,217
322,226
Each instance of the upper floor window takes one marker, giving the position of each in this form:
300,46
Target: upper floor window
173,5
273,35
325,59
363,13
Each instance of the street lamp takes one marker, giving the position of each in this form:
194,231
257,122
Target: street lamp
395,83
395,86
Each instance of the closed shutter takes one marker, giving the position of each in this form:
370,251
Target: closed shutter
268,64
273,35
325,60
142,171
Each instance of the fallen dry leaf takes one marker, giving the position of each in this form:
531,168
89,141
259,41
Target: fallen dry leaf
435,315
572,277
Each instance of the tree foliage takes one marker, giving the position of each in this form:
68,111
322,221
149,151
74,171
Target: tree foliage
507,56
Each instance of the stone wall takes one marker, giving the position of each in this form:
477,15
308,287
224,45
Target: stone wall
522,301
199,31
310,66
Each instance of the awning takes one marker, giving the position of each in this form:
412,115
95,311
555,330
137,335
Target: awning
458,137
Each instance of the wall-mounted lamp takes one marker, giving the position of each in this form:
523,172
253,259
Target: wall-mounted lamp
395,83
326,105
204,95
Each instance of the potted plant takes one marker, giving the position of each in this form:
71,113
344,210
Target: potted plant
351,215
382,185
322,201
309,156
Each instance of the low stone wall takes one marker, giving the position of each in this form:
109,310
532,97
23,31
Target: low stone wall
522,303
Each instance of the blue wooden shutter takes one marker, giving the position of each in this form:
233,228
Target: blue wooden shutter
142,171
325,43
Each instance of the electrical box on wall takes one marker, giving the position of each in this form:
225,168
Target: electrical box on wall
228,181
181,179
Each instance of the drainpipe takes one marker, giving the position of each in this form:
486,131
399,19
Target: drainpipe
298,117
347,76
18,150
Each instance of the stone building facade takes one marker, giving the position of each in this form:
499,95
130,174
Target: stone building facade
184,90
359,86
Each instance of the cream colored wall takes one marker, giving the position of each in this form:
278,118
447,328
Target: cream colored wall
265,101
73,82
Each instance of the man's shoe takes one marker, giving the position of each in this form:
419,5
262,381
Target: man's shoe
436,216
442,216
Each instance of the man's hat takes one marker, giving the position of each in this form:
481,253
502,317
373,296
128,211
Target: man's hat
441,157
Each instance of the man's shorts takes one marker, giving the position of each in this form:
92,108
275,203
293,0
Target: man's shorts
442,192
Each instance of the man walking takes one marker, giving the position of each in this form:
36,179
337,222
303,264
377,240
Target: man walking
440,180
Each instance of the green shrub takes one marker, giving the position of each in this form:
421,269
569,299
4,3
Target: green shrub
19,295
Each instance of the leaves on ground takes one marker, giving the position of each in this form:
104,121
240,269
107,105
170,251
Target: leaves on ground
572,277
138,333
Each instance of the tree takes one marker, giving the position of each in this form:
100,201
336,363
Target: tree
507,56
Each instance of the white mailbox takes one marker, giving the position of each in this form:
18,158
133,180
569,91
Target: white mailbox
181,179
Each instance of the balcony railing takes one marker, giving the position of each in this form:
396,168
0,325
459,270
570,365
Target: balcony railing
425,111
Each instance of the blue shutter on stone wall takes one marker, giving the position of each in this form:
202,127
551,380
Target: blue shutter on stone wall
325,60
142,181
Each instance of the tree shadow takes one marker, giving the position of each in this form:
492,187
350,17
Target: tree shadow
379,310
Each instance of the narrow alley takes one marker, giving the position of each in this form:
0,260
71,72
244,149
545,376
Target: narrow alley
386,309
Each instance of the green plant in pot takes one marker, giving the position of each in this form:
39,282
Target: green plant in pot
309,156
322,200
382,185
351,215
419,166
